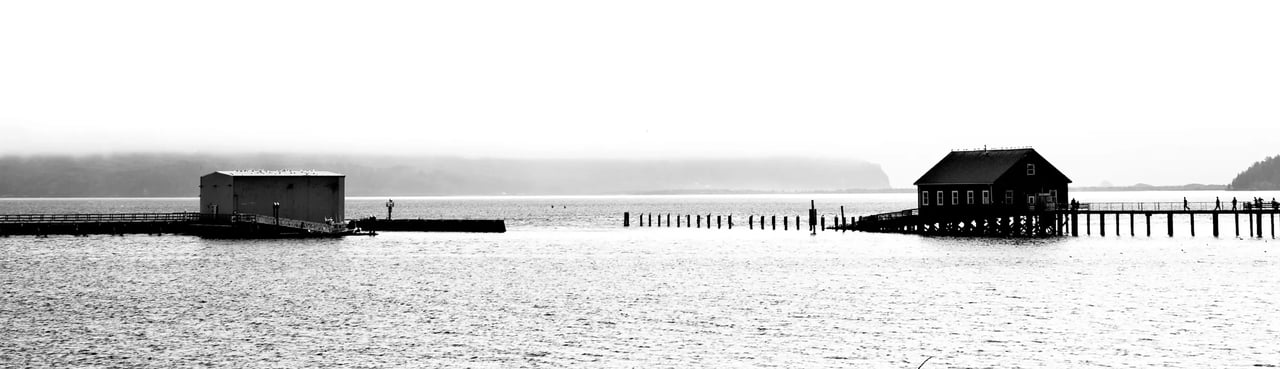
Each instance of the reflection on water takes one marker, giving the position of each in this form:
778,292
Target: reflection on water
586,292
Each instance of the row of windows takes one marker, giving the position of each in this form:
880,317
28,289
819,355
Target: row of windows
968,197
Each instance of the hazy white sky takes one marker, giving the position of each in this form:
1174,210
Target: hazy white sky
1162,92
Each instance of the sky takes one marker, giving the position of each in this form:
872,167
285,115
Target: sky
1122,92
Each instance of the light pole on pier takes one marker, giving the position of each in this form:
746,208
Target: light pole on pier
390,204
275,210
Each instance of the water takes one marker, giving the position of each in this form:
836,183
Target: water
569,287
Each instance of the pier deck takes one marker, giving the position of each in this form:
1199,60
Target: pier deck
1023,221
159,223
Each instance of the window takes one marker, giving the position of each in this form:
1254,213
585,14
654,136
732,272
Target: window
1053,196
955,197
940,200
986,197
1031,199
1031,169
924,198
1008,197
968,197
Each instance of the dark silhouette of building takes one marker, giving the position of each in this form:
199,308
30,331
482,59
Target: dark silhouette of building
315,196
967,181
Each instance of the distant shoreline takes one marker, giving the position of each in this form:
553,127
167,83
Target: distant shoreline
1137,188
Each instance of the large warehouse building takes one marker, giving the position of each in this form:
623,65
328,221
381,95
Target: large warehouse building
314,196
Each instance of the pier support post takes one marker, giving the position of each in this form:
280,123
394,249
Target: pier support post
1088,224
1250,225
751,222
730,222
822,221
677,221
1192,216
1148,224
718,222
773,221
626,219
1237,216
1259,225
699,221
687,219
1117,224
1102,225
1075,224
1170,223
786,220
1131,234
797,222
1215,224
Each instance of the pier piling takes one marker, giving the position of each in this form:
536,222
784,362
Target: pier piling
1215,224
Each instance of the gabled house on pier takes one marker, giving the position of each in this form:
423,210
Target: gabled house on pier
973,180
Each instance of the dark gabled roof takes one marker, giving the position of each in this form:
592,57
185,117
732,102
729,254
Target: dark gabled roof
976,167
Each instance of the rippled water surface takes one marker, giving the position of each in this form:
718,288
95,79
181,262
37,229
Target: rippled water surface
569,287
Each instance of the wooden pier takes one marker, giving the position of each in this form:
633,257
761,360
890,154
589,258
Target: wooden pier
209,225
1110,218
1258,218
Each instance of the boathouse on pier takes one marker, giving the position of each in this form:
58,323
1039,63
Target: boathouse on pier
970,181
307,195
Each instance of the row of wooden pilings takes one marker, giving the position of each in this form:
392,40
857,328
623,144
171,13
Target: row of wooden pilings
1255,221
711,221
816,223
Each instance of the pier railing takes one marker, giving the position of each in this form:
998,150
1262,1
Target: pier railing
291,223
100,218
1176,206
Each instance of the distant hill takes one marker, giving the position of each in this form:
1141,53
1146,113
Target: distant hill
159,175
1262,175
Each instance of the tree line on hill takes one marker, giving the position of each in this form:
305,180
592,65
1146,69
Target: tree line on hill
1261,176
177,175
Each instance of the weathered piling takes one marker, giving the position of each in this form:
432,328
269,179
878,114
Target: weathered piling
773,220
1148,224
1193,224
1215,224
717,222
626,219
1102,225
813,214
1259,225
1170,223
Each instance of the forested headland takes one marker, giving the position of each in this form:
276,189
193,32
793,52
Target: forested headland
1261,176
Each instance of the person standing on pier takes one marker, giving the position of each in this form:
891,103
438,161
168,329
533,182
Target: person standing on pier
1217,203
1233,203
1185,206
